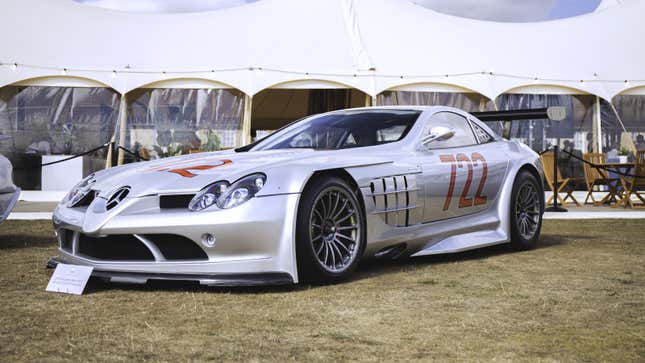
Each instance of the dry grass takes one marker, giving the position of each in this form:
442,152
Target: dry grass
579,297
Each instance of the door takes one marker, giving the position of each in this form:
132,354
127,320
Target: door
461,174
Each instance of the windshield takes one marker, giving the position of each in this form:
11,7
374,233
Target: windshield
342,130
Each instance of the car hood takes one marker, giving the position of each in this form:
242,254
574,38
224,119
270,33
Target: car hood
191,173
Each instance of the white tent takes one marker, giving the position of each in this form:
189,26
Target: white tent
73,76
370,45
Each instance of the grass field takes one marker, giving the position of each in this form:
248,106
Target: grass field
579,297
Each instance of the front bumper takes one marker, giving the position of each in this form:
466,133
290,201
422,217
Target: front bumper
254,241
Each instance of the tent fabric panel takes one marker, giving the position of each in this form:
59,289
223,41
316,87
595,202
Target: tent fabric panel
542,89
187,83
633,91
325,39
309,84
60,81
430,87
565,50
468,101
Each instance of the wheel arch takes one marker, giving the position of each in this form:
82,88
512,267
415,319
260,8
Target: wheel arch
342,174
533,170
345,176
517,240
348,178
530,164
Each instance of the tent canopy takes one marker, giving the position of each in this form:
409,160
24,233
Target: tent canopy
370,45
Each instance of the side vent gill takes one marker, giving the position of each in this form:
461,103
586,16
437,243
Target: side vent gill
395,198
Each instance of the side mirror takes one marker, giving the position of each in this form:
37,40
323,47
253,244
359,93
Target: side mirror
438,133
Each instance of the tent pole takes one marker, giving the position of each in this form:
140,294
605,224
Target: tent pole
597,128
108,158
122,128
246,120
368,100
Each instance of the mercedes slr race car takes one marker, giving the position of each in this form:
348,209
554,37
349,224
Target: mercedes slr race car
307,202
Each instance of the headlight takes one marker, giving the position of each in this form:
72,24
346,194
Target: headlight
208,196
241,191
225,196
79,191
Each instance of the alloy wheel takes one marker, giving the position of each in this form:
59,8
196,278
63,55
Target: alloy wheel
527,210
335,229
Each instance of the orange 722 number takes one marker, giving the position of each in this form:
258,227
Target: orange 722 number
470,163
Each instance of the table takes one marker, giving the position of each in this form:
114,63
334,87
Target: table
614,195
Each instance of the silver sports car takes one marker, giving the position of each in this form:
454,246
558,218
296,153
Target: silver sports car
308,202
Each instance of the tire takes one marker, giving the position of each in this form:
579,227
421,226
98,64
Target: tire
329,241
527,207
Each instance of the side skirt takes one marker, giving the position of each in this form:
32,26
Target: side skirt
464,242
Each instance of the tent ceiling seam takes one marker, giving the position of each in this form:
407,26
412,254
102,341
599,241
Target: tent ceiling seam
362,73
362,59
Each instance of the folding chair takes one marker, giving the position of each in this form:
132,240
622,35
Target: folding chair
563,183
635,185
594,178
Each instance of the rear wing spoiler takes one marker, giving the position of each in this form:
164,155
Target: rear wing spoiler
547,113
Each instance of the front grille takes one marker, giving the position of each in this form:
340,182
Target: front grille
128,247
118,247
174,247
175,201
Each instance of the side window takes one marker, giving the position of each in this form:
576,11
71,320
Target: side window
463,133
482,135
392,133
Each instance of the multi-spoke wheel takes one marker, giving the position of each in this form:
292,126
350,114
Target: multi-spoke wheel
330,231
527,210
335,228
527,206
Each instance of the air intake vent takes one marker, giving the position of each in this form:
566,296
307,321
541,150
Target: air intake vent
128,247
395,197
175,247
66,239
117,247
175,201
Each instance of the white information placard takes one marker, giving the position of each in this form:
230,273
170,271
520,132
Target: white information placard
69,279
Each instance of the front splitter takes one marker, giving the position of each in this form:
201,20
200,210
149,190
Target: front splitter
227,280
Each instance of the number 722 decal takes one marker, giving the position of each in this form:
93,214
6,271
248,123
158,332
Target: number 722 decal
459,161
